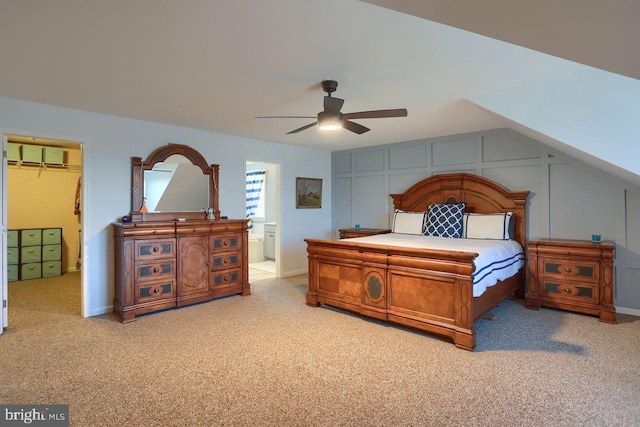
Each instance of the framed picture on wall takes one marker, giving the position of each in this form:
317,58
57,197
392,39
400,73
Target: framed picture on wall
308,193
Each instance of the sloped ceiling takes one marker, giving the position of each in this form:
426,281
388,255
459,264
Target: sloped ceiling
215,65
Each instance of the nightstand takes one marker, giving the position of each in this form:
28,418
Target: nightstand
575,275
346,233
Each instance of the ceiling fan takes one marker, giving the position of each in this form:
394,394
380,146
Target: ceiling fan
331,118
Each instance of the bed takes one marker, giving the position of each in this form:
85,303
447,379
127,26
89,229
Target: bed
428,288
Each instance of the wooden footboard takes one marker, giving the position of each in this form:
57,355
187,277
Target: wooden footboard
428,290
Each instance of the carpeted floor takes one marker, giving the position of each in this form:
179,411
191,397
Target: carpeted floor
268,359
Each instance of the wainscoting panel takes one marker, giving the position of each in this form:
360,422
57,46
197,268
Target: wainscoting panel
368,161
411,156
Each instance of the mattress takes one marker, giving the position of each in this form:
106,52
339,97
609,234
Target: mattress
497,259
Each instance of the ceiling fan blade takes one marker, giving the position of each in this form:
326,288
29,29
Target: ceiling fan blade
302,128
354,127
376,114
332,104
286,117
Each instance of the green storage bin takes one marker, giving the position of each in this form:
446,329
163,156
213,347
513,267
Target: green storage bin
31,153
31,254
12,272
31,271
12,238
53,155
52,236
51,268
31,237
13,152
51,252
13,256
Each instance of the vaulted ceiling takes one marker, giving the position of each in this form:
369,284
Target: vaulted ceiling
456,67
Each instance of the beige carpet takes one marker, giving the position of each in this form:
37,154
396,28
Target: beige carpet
268,359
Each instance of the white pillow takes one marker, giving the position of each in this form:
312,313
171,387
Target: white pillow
488,226
408,222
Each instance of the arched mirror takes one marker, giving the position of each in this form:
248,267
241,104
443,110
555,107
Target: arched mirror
174,182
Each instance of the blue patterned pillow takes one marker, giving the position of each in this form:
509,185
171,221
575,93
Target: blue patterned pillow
445,220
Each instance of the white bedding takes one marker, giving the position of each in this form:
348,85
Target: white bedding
496,260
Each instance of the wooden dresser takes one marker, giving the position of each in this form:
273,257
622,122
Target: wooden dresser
166,264
575,275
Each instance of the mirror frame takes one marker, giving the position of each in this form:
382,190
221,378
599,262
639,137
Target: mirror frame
138,167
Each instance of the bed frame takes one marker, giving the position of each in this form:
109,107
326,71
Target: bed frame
429,290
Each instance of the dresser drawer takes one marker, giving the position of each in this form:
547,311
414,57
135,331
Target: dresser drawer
227,278
155,291
223,226
31,254
225,261
30,237
51,268
51,236
13,255
12,238
165,268
155,248
51,252
226,242
570,291
32,270
585,271
13,272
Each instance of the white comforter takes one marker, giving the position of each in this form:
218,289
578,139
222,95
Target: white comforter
496,260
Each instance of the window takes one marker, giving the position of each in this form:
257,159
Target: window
255,194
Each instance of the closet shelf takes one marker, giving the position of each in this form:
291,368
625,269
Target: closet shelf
53,166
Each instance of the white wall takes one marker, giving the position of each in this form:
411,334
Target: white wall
110,142
568,198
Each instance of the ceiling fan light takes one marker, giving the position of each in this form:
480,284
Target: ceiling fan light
328,123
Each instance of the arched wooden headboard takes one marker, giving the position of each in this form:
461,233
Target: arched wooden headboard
481,195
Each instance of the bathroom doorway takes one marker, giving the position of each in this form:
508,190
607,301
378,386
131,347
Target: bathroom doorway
262,208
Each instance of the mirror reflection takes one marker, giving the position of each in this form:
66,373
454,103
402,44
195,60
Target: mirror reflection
176,185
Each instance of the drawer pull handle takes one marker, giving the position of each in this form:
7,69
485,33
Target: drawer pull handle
227,228
226,278
225,261
567,253
155,270
156,290
195,229
156,249
568,270
154,232
567,290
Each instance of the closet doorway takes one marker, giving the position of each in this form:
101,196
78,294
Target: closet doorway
262,208
43,219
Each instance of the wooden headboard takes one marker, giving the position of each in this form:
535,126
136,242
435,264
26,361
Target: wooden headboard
481,195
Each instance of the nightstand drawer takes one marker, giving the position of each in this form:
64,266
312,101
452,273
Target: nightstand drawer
570,269
569,291
592,251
